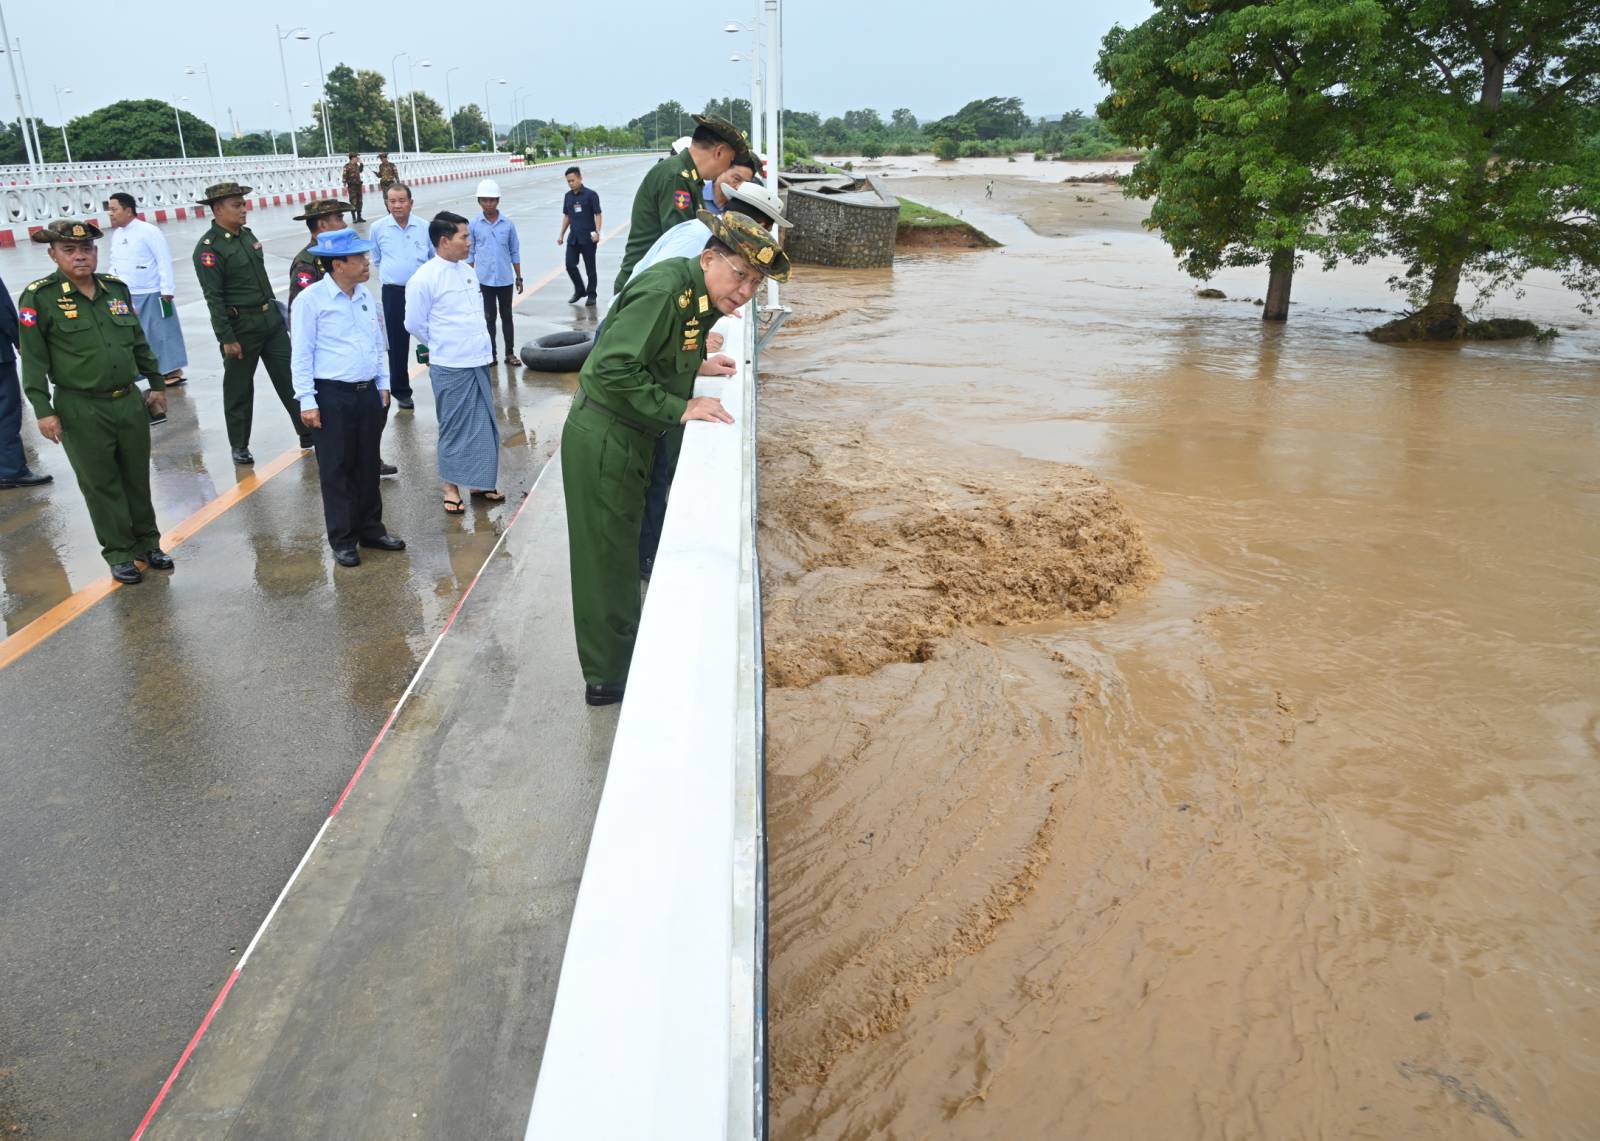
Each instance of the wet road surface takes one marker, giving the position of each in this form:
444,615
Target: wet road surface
169,754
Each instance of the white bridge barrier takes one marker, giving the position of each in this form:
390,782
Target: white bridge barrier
658,1030
78,190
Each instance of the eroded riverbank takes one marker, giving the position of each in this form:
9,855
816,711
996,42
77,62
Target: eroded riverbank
1296,838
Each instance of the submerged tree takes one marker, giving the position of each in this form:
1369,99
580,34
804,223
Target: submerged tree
1479,161
1246,106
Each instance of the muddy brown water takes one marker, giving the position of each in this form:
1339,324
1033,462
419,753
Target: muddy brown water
1282,824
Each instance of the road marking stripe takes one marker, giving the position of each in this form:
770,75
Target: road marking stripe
76,604
316,840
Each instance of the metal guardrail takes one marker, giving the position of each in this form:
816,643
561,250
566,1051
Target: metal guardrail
80,189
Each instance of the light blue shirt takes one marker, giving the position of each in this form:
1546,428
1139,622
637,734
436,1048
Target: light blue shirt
398,253
710,196
495,249
336,337
685,240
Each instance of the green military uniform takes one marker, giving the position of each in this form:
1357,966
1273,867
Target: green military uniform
233,277
632,394
673,191
306,269
352,185
388,175
89,350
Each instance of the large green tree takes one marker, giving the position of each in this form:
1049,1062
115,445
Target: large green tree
360,115
432,132
1246,106
1477,162
994,118
663,123
134,129
471,126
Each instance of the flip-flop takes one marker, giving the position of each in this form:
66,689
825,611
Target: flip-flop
454,507
495,496
174,381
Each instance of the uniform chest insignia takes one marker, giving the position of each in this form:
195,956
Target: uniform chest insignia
207,258
29,317
117,307
66,287
302,279
681,199
70,314
66,303
684,298
705,305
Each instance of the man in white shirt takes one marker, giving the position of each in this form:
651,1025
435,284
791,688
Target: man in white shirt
400,246
141,258
343,389
444,311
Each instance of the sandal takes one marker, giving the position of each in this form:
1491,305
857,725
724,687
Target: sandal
454,507
495,496
175,380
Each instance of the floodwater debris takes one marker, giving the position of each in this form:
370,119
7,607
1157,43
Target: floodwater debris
1468,1093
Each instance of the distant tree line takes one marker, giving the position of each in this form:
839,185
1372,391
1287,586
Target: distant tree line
1458,136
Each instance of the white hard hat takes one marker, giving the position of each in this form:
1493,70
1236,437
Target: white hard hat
682,144
763,198
488,188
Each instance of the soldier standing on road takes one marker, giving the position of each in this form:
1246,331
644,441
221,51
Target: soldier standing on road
244,315
388,175
672,190
637,387
80,334
306,268
352,184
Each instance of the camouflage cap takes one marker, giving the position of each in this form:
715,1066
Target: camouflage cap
745,237
220,190
725,132
355,154
66,230
324,206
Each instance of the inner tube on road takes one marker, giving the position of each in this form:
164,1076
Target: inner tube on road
558,352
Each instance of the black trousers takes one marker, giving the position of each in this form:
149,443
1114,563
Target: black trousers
353,416
498,296
13,464
585,251
394,320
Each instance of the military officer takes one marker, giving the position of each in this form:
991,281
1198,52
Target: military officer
635,390
388,175
352,185
81,336
672,190
244,315
320,217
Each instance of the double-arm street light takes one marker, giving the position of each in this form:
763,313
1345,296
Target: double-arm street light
202,69
288,102
411,83
488,112
449,107
322,72
66,146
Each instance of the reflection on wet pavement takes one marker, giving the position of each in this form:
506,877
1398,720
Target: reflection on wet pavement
1298,842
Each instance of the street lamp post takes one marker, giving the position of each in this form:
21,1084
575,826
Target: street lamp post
449,107
411,82
488,111
327,131
177,117
16,90
288,101
27,90
272,128
66,146
210,98
399,133
516,117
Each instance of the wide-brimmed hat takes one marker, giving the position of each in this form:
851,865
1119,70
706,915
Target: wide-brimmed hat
725,132
324,206
220,190
339,244
764,199
66,230
745,237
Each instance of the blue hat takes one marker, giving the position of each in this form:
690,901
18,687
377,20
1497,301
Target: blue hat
340,244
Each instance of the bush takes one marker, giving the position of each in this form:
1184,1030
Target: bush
945,149
872,148
1011,158
905,150
1038,156
973,148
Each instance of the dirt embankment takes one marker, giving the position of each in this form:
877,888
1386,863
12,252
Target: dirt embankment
959,236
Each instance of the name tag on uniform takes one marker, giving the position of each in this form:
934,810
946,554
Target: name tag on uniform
577,208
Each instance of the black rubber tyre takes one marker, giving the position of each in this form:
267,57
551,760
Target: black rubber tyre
558,352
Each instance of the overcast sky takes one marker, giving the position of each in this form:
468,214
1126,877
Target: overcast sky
590,63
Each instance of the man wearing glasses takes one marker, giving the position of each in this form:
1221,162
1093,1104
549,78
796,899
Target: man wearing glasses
635,392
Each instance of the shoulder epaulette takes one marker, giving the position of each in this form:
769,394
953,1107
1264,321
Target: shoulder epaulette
38,284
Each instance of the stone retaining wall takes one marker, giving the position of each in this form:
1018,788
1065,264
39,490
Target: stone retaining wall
842,232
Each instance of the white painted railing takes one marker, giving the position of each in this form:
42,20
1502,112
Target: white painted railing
658,1032
80,189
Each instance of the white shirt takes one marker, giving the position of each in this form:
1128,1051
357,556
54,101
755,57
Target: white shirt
141,258
337,337
685,240
444,310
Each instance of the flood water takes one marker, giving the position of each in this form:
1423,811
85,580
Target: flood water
1289,832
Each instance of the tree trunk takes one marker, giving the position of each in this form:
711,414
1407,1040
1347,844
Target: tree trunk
1280,281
